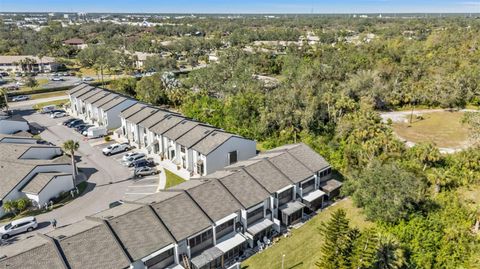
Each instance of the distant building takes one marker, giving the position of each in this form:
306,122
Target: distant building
75,42
27,63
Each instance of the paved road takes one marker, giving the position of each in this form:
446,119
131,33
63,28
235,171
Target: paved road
108,180
30,103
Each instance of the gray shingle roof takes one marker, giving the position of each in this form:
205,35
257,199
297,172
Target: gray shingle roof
212,141
214,199
132,110
154,119
244,188
195,135
142,114
99,95
180,129
288,165
31,253
165,125
89,94
77,88
307,157
108,96
14,169
267,175
87,244
182,216
82,91
138,228
113,103
39,182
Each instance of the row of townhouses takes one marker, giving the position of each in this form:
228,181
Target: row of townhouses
206,222
33,171
192,148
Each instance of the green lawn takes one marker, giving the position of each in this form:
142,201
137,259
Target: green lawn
47,95
445,129
58,103
172,179
302,248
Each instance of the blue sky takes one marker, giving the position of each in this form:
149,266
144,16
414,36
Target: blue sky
243,6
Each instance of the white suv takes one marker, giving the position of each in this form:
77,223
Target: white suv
27,224
116,148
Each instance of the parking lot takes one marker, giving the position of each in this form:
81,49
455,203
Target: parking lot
108,180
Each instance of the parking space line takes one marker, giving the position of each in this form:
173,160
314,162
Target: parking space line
139,193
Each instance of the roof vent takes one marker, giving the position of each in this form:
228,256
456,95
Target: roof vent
213,134
61,236
108,217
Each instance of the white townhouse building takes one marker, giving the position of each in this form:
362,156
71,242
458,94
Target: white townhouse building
98,106
192,146
207,222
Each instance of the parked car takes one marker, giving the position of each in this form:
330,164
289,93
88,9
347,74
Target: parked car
127,156
75,123
57,110
145,171
130,161
56,79
27,224
4,74
58,114
144,163
95,132
116,203
82,127
116,148
67,121
20,98
87,79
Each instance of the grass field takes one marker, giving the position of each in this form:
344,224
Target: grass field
47,95
58,103
445,129
172,179
302,248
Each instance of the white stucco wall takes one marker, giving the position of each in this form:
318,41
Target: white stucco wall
112,115
218,159
12,126
55,187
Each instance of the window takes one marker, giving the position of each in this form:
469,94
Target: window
326,172
255,215
285,197
232,157
161,261
197,240
182,149
308,186
224,229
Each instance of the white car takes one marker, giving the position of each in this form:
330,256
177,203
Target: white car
27,224
58,115
116,148
20,98
57,79
129,155
129,162
87,79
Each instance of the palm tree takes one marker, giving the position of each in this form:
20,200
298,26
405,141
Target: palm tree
3,92
389,253
70,147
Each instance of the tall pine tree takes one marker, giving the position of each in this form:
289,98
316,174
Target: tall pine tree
339,238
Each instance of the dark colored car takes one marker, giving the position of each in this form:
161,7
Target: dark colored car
80,127
115,204
75,123
56,110
67,121
144,163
